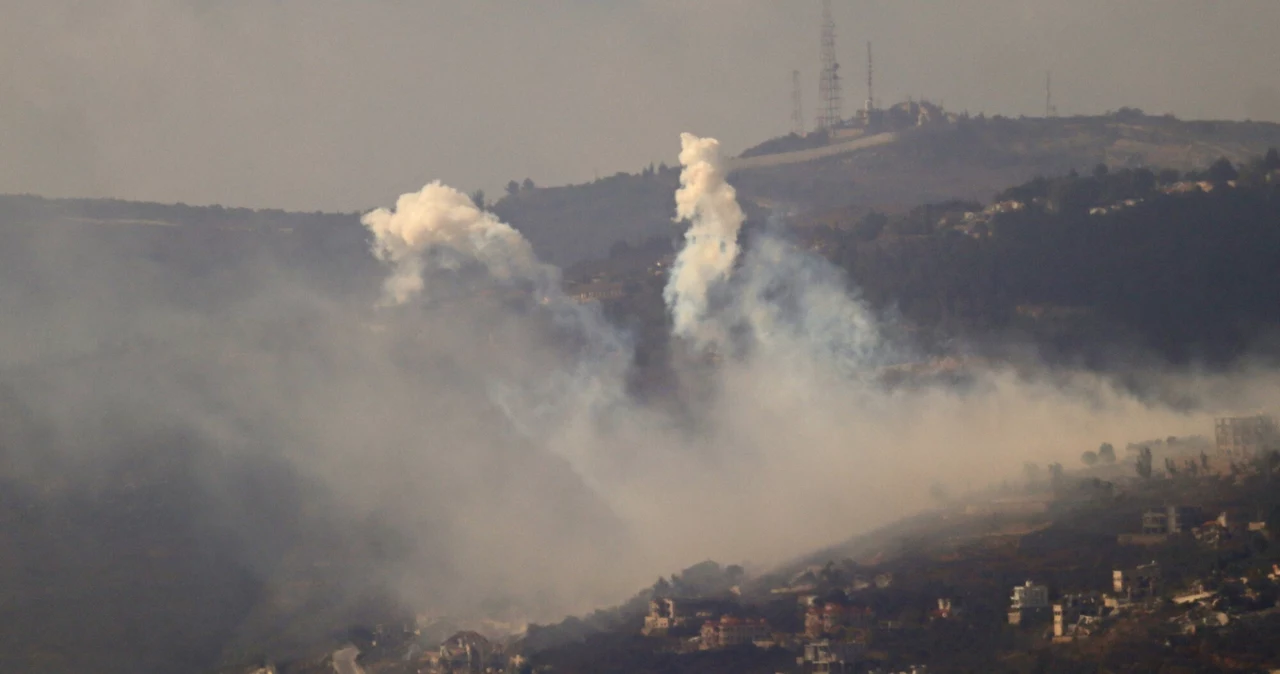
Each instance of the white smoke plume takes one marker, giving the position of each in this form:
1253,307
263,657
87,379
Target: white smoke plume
484,458
441,216
710,205
588,375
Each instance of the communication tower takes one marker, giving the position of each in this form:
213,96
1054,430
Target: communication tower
829,83
871,100
797,105
1049,109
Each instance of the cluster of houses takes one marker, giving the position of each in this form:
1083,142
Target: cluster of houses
1081,614
838,629
977,224
835,633
719,623
825,645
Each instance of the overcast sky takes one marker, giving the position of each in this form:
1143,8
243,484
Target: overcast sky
343,104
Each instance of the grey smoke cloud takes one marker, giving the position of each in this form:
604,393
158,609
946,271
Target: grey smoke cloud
472,451
341,105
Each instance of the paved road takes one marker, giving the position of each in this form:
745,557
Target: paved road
741,163
344,661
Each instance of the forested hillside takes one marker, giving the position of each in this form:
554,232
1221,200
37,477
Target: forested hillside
971,158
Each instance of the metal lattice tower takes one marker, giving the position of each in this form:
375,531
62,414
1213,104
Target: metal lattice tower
829,114
871,100
797,105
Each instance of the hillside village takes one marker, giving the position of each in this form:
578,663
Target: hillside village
1040,257
1159,557
912,153
1039,261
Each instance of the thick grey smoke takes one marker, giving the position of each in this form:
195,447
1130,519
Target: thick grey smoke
439,231
793,425
469,447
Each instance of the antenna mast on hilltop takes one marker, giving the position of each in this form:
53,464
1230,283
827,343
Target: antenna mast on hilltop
829,82
871,101
1049,110
797,105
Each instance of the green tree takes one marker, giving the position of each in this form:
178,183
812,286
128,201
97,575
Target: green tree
527,185
1221,171
1273,520
1271,161
477,197
870,226
1107,453
1143,464
1056,475
1032,473
1089,458
513,188
1268,461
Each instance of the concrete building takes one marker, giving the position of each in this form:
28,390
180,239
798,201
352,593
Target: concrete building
1075,614
1242,438
1136,584
1029,601
1173,519
465,652
823,657
731,631
667,613
598,291
833,617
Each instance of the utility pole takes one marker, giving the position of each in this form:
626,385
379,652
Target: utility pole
1049,110
797,105
829,82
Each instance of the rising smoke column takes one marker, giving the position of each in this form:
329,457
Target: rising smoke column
439,228
441,216
710,205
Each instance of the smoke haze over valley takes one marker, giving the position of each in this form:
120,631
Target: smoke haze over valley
228,434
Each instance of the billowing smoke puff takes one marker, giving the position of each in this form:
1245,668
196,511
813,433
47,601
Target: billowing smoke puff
797,307
440,228
711,207
441,216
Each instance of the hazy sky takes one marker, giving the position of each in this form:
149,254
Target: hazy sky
343,104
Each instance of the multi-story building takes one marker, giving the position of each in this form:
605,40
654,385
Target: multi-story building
1073,612
1242,438
826,657
832,617
1028,601
667,613
731,631
1138,583
1173,519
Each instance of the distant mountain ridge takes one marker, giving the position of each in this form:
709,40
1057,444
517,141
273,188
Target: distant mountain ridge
970,158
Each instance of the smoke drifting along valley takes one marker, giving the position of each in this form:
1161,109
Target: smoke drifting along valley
796,442
463,438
